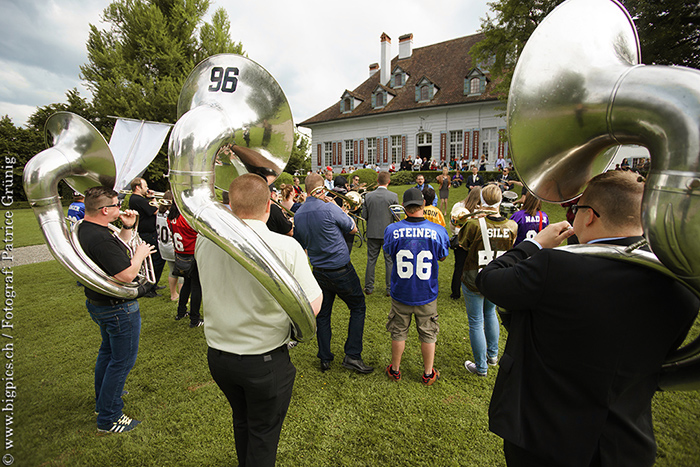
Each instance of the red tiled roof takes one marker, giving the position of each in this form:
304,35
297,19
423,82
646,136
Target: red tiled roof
446,64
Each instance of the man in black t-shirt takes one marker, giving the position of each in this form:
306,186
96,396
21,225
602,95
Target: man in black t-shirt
278,222
119,319
147,226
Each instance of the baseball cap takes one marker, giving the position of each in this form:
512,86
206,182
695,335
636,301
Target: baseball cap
413,197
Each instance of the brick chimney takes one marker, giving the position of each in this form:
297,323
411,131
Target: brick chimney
373,68
405,46
385,67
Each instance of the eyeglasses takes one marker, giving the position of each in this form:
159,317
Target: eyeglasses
117,205
576,207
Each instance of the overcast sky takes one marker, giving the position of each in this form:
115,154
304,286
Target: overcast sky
314,48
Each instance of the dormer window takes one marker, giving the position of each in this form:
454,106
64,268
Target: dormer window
475,83
348,102
381,97
398,78
425,90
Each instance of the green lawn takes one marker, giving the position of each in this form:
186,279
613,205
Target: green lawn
338,418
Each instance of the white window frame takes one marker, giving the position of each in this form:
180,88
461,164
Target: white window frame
349,152
489,142
456,144
371,150
396,148
475,86
328,154
424,139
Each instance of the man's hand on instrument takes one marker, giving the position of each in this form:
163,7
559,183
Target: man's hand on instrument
143,251
554,234
128,217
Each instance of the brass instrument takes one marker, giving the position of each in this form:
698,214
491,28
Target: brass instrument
81,157
351,201
601,97
156,198
462,215
147,271
224,95
398,212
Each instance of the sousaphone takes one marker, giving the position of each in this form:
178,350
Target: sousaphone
233,118
578,92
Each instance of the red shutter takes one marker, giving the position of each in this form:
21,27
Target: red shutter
475,144
386,150
466,150
403,148
443,146
362,151
501,143
354,147
319,155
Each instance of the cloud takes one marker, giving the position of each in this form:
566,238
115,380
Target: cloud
315,49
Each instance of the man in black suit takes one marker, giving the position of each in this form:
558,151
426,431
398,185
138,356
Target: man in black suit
474,179
587,338
376,211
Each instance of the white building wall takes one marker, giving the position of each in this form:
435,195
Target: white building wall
437,121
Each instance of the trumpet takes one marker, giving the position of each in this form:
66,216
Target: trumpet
462,215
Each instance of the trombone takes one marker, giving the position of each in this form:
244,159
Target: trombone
156,198
351,201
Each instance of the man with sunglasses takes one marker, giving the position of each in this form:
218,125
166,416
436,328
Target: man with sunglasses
119,319
587,336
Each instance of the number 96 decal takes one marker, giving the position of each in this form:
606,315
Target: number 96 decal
223,79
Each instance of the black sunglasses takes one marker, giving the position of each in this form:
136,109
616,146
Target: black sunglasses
576,207
118,205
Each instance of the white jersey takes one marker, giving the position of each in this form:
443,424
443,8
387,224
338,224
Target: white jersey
165,238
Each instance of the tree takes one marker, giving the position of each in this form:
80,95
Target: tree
137,67
300,160
669,33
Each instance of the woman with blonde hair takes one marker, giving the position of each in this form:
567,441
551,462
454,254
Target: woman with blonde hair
444,181
457,218
484,238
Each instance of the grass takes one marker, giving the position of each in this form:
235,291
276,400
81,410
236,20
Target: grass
337,418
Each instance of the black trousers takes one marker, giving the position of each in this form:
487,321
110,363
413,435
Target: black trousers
158,262
519,457
460,258
259,389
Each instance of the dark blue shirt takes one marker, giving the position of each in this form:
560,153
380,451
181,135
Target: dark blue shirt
319,227
420,187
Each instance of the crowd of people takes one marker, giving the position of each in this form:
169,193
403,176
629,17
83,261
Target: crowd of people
569,389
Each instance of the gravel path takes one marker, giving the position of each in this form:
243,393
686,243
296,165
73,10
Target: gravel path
31,254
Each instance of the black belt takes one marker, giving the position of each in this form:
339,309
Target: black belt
109,302
330,270
267,356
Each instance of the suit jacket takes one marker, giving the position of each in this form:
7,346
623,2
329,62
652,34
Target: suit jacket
376,211
471,182
586,341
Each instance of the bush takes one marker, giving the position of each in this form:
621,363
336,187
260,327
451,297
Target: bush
285,178
403,177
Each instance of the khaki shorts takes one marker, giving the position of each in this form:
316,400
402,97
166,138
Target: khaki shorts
426,321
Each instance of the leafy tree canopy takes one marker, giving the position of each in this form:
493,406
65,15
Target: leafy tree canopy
136,67
669,33
300,160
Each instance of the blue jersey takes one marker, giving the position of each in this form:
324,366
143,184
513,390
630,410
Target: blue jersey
76,211
529,226
416,245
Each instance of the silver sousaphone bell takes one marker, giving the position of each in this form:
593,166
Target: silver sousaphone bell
577,93
233,118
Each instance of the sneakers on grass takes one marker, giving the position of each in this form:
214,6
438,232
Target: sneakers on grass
122,425
428,380
493,361
471,368
393,375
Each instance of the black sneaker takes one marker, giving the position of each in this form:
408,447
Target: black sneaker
179,317
122,425
197,323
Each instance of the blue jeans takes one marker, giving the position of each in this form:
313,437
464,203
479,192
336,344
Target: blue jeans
345,284
483,327
120,326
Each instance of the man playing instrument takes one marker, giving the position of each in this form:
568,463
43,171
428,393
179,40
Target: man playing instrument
587,336
319,227
119,319
147,226
247,330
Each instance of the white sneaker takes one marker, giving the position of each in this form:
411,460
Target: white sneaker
471,368
493,361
